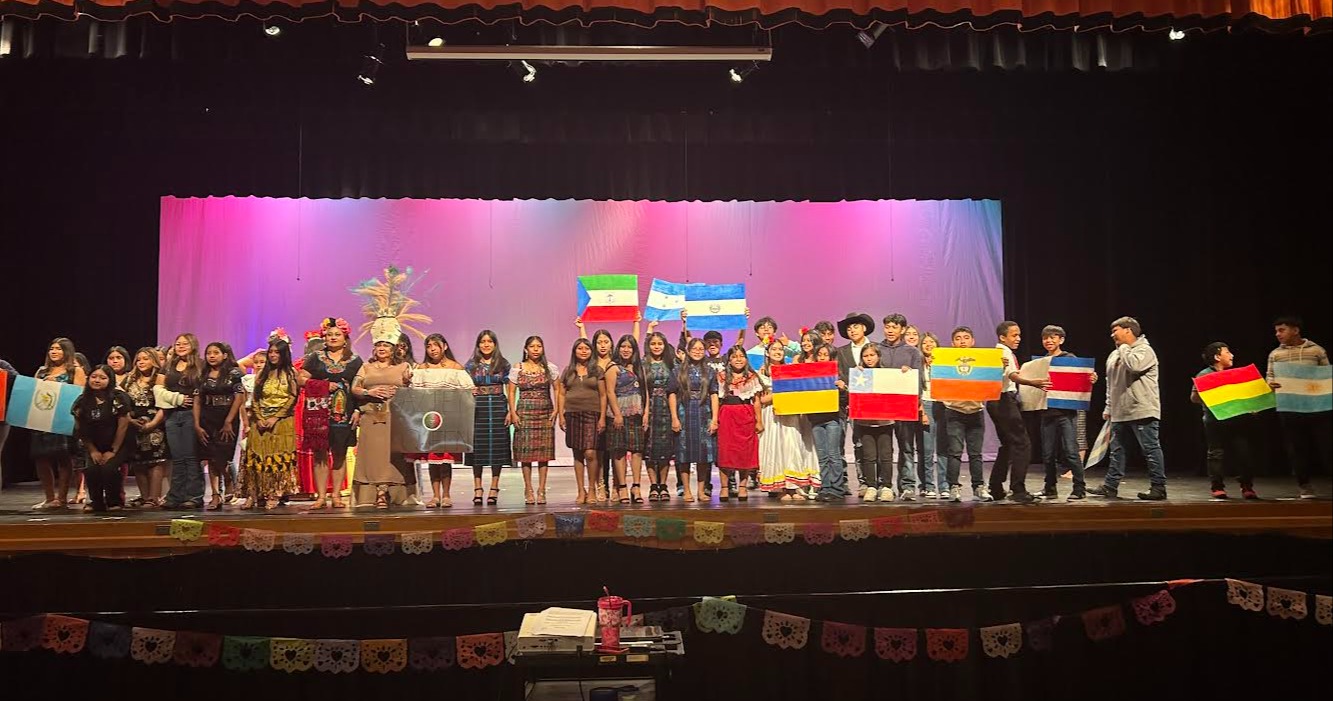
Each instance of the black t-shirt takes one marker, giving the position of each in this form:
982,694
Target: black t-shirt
96,422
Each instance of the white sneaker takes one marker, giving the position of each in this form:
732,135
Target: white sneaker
909,495
955,494
981,494
870,494
930,494
885,494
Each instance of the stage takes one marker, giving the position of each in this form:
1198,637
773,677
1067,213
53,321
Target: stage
1189,509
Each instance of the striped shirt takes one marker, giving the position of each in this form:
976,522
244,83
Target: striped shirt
1308,353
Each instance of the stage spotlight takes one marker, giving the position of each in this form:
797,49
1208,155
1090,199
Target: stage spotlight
524,70
272,30
370,67
738,75
1175,34
435,42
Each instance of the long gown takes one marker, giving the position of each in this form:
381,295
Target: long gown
787,459
374,468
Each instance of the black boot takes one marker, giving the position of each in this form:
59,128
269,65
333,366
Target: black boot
1154,494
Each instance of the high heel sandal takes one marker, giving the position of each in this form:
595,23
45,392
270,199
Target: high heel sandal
477,493
527,496
623,495
215,503
381,499
635,496
493,496
663,492
541,496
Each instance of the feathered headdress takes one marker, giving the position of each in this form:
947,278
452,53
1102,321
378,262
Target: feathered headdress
388,307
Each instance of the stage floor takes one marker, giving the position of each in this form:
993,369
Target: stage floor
1189,508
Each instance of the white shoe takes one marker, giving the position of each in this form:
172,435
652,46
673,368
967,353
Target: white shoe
870,494
955,494
885,494
908,495
981,494
930,494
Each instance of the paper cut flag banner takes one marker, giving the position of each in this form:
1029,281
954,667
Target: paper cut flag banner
966,374
42,405
807,388
608,297
884,394
1231,393
665,300
1306,389
715,307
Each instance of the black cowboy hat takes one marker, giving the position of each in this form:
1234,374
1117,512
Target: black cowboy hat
856,318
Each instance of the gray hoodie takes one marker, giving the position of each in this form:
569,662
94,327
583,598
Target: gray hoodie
1131,382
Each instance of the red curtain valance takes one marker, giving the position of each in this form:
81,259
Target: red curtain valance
1271,9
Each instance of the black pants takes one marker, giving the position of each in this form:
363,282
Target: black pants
1229,438
1306,438
1015,447
104,481
874,452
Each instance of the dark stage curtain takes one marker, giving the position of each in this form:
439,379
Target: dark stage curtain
1195,197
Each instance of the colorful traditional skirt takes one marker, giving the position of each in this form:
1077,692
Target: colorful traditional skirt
629,438
581,431
534,436
737,441
695,444
49,446
661,443
490,435
270,462
787,458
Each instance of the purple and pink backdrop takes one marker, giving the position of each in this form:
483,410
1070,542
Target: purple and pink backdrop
234,268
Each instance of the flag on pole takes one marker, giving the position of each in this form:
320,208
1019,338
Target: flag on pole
665,300
1306,389
42,405
966,374
806,388
608,297
1071,383
1231,393
715,307
884,394
1099,448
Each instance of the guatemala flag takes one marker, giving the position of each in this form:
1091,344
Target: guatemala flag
42,405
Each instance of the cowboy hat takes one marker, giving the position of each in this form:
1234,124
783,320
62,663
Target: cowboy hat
856,318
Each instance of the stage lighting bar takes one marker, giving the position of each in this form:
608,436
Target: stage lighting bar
589,53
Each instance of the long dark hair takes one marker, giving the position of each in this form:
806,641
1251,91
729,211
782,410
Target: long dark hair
499,366
129,362
633,365
68,360
747,374
91,395
668,352
571,373
768,364
815,342
228,363
683,373
437,338
598,334
284,366
541,360
194,365
405,355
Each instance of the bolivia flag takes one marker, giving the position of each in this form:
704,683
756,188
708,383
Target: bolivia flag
608,297
1233,392
1306,389
805,388
42,405
884,394
966,374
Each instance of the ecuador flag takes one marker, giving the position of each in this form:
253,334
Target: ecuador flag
1230,393
805,388
966,374
608,297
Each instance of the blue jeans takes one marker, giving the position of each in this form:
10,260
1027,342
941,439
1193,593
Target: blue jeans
933,438
906,432
965,430
828,446
1145,432
187,478
1059,446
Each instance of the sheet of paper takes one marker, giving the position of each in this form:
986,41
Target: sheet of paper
565,622
1033,398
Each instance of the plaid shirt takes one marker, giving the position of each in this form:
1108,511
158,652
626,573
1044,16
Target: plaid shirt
1308,353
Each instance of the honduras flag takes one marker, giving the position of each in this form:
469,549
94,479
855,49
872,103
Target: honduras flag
42,405
715,307
665,300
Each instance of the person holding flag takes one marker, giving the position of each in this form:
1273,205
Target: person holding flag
1305,436
1229,437
1060,430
